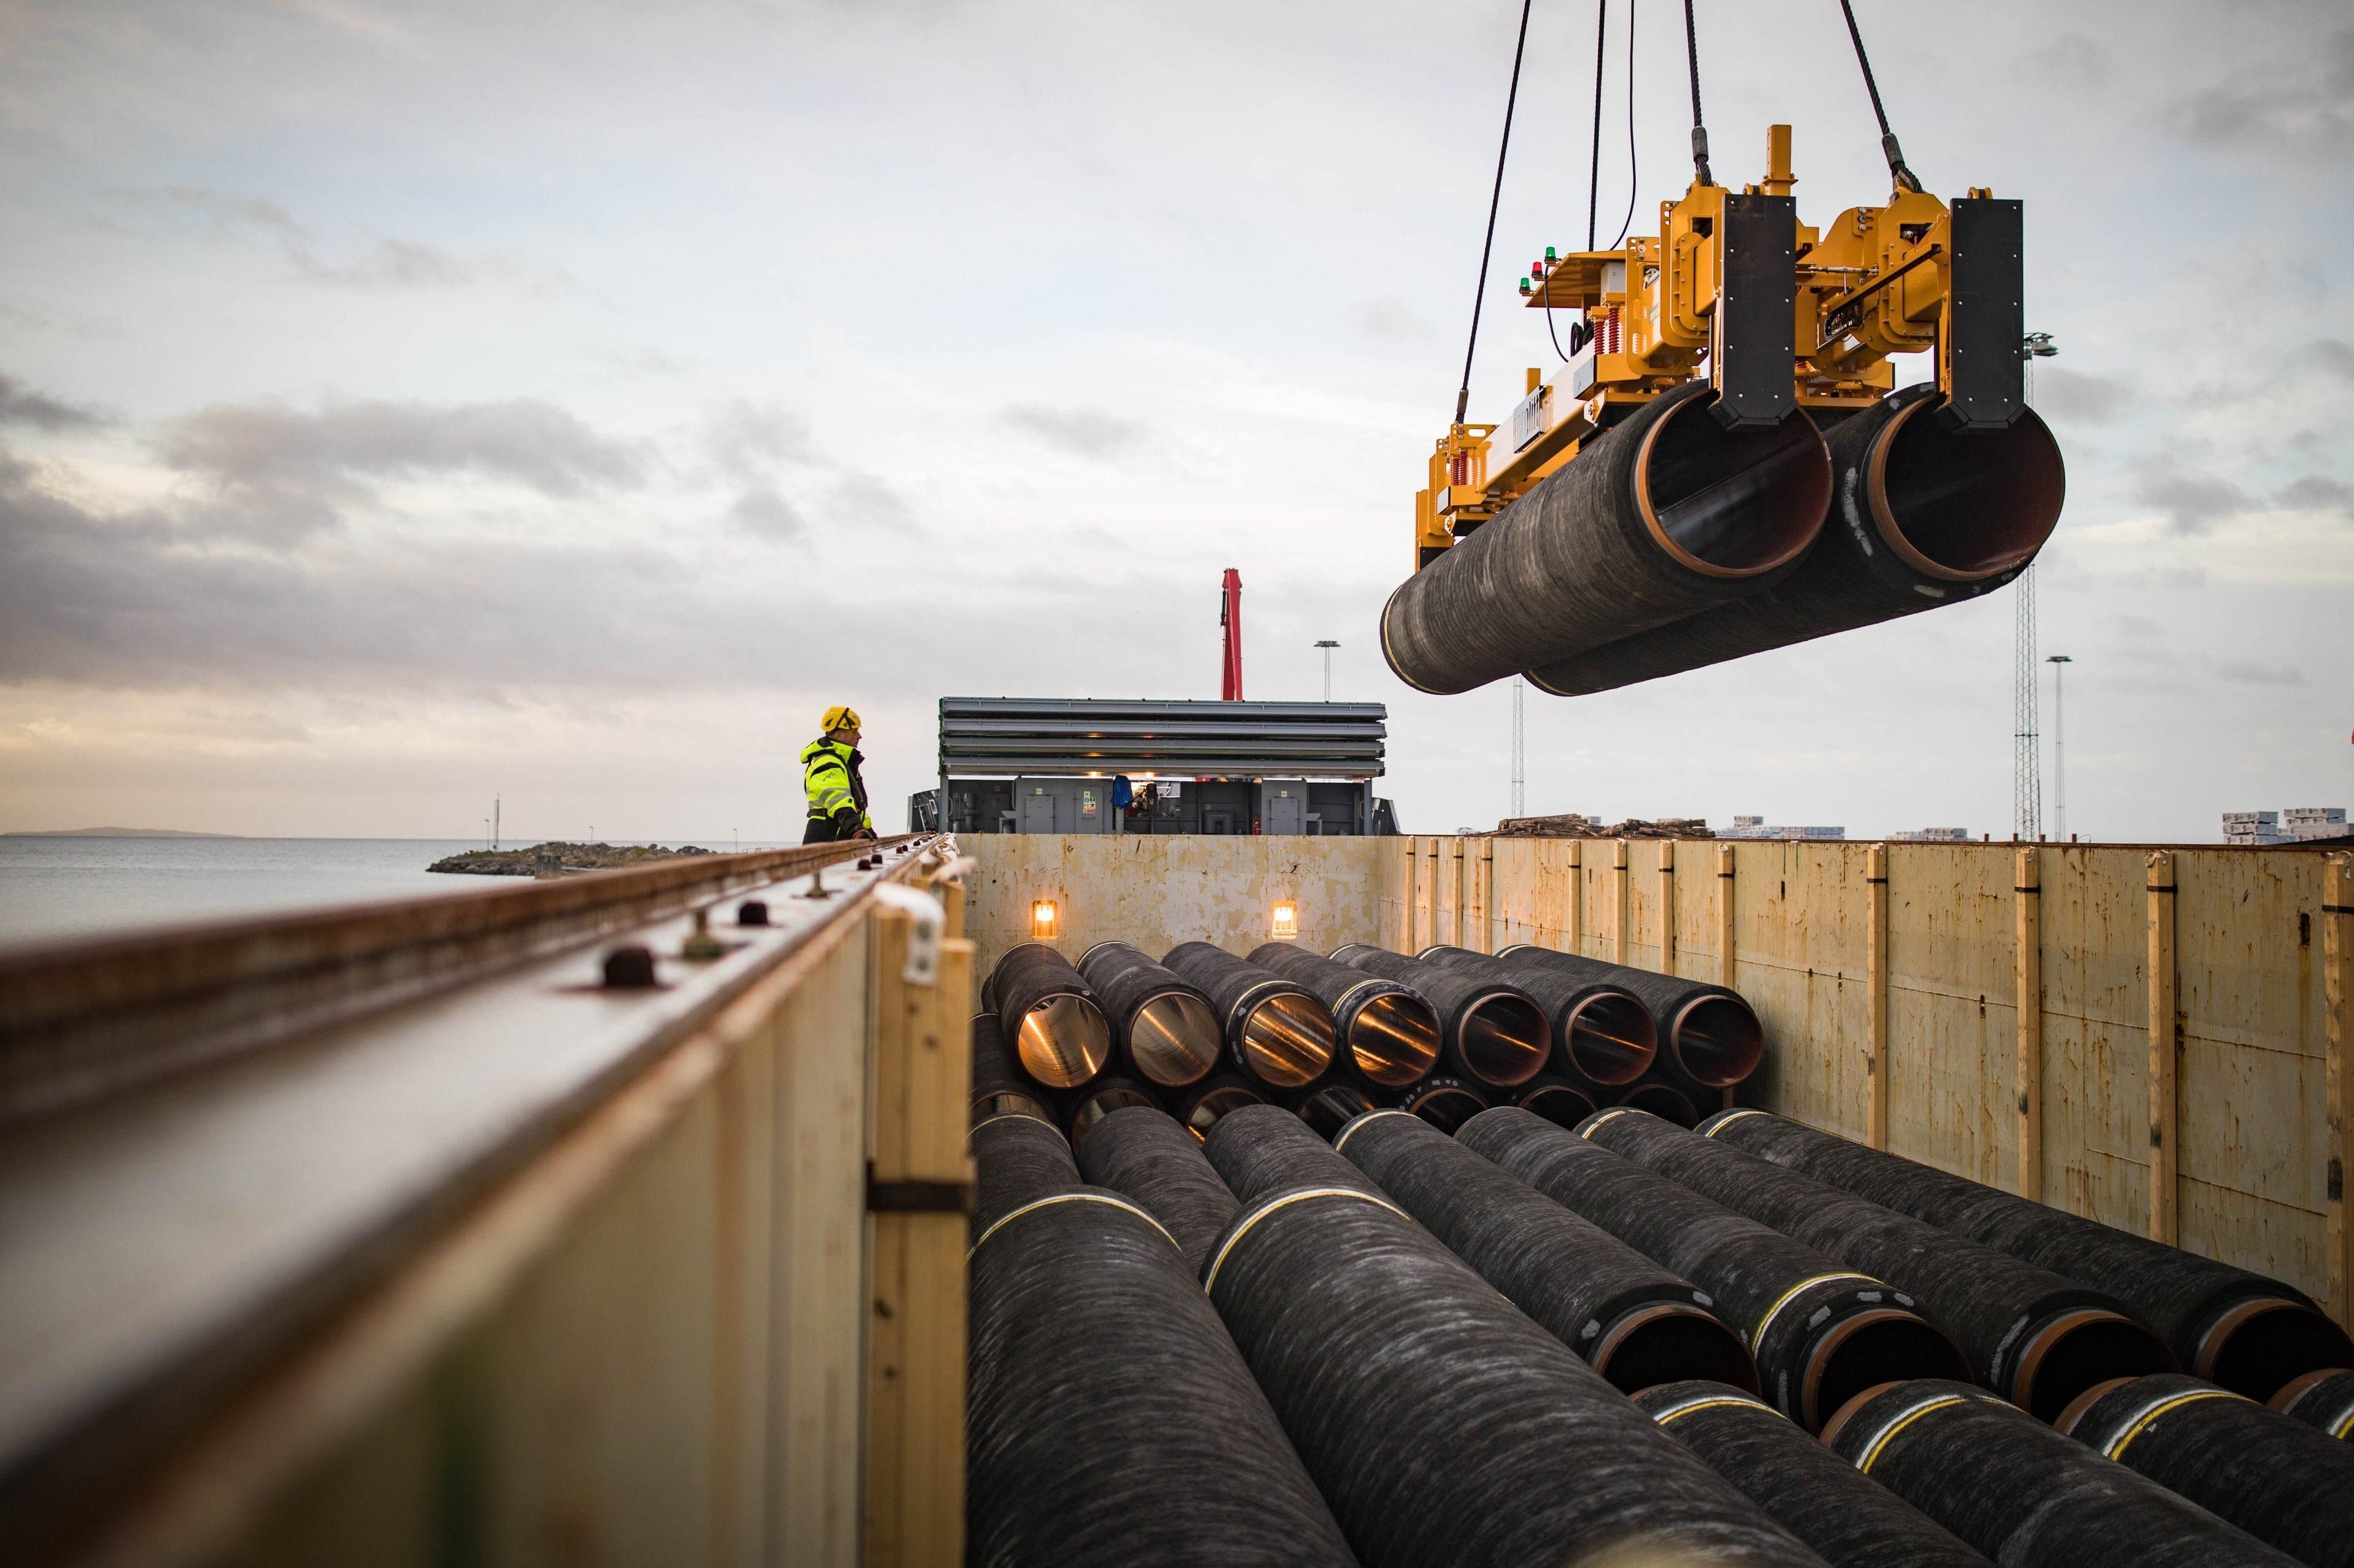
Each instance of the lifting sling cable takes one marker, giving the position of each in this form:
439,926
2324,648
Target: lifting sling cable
1463,395
1628,221
1903,176
1577,339
1700,131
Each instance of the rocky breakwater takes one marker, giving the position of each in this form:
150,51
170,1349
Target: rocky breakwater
559,859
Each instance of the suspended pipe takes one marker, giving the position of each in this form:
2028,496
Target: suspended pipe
1446,1103
1665,514
1668,1102
1819,1332
2037,1338
1390,1034
1084,1108
999,1088
1200,1105
2323,1399
1058,1032
1489,1031
2023,1494
2248,1333
1557,1099
2277,1478
1849,1520
1633,1321
1709,1034
1921,516
1145,1155
1603,1035
1279,1036
1444,1426
1166,1031
1091,1346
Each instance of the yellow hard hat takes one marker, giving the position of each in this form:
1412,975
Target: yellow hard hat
840,717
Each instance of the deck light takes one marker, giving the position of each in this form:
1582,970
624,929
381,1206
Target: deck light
1043,920
1286,927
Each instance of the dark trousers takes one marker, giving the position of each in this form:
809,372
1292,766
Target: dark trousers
821,832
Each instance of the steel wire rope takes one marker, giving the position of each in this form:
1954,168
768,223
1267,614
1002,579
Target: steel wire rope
1495,196
1700,131
1592,176
1903,176
1628,221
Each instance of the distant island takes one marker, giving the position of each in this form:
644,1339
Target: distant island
114,833
556,859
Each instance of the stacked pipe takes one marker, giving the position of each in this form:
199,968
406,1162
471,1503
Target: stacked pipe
1279,1036
2323,1399
1665,514
999,1088
1165,1030
2038,1338
1604,1037
2021,1493
1146,1155
1050,1016
1633,1321
2277,1478
1446,1102
1922,516
2242,1331
1110,1419
1444,1426
1850,1519
1492,1032
1819,1332
1708,1036
1389,1031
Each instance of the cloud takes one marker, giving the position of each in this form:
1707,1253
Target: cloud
2315,492
2072,395
765,514
862,501
2193,501
1078,432
2303,103
385,263
747,440
279,470
1389,321
2336,356
2248,673
21,407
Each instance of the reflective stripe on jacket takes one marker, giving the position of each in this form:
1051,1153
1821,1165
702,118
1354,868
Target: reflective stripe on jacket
829,778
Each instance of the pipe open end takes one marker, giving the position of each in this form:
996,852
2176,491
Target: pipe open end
1732,503
1394,1039
1665,1101
1717,1040
1097,1107
1333,1107
2261,1345
1505,1040
1287,1040
2071,1351
1063,1041
1563,1104
1009,1103
1445,1108
1965,505
1174,1040
1867,1350
1203,1113
1667,1341
1612,1038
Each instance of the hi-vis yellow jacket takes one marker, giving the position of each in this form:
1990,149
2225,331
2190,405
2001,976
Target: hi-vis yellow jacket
829,778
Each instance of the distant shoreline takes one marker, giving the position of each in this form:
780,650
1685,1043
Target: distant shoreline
112,833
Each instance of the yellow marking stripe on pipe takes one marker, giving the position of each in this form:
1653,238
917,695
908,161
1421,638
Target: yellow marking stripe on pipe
1758,1337
1723,1122
1706,1401
1340,1142
1105,1197
1017,1116
1605,1116
2344,1425
2155,1408
1870,1454
1210,1281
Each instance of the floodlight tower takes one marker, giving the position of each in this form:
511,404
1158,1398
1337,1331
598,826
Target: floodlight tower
1328,645
2059,754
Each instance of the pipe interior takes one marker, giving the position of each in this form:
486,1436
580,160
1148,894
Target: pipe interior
2262,1350
1718,1041
1287,1041
1871,1348
1973,504
1562,1105
1665,1101
1063,1041
1394,1039
1008,1103
1740,500
1095,1107
1612,1038
1673,1343
1205,1110
1174,1039
1330,1109
2095,1349
1446,1109
1505,1040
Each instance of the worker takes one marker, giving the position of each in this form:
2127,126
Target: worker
837,795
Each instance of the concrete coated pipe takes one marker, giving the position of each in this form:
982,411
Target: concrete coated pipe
1199,1106
1820,1332
1557,1099
1709,1034
1443,1424
1668,1102
2323,1399
1084,1108
1146,1155
1921,516
1635,1322
1167,1033
1050,1016
1443,1100
1000,1087
1851,1521
1603,1035
1110,1419
1279,1036
1489,1031
1263,1149
1665,514
1388,1033
2023,1494
2035,1337
2276,1477
1331,1106
1016,1159
2242,1331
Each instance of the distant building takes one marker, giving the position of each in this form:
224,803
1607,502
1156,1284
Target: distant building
2296,825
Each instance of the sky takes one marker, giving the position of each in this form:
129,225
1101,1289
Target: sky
405,406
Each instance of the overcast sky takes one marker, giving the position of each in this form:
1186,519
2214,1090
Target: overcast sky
403,404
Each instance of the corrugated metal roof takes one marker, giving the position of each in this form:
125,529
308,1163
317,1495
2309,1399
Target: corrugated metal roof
1053,737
